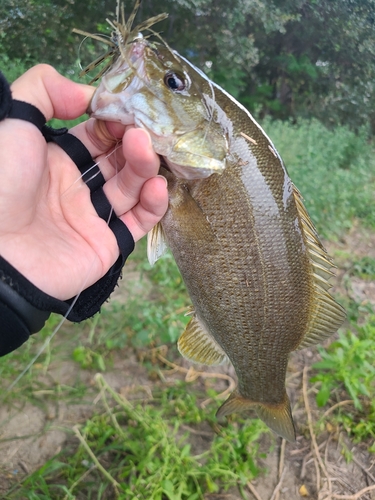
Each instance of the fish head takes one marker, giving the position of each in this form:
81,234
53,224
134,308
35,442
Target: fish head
151,87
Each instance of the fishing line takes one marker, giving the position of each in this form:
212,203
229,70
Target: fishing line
48,339
91,168
83,286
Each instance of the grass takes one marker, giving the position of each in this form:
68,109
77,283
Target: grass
364,268
349,363
141,449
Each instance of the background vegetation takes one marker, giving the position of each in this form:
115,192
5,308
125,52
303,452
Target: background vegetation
286,58
306,69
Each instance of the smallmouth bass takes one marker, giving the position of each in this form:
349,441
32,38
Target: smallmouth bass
251,259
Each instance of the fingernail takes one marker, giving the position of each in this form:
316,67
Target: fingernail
148,135
165,180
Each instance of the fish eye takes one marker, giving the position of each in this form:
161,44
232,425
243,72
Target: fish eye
175,82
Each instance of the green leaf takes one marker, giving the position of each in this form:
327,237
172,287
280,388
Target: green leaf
323,395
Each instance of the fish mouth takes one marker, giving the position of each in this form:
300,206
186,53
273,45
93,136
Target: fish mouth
124,80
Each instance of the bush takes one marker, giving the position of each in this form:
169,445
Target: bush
333,169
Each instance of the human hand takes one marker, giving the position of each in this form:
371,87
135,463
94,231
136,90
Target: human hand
49,229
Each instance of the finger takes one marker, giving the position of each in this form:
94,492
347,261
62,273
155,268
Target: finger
97,136
59,97
142,163
152,206
111,162
102,145
52,93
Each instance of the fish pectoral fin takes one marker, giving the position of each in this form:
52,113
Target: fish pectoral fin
198,345
156,244
276,417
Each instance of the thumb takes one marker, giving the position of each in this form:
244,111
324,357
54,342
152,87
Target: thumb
53,94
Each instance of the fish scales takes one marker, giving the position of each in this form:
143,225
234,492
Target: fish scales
247,250
255,284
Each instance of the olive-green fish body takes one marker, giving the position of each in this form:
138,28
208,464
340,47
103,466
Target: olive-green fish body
238,241
252,262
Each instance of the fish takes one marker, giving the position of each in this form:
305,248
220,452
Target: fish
254,266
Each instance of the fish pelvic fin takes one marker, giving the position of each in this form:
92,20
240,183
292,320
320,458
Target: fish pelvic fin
156,244
277,417
198,345
327,315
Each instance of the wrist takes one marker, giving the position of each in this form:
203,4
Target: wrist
19,318
33,318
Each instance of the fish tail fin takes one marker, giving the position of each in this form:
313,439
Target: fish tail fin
277,417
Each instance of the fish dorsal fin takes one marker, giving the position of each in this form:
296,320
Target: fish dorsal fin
198,345
327,315
156,244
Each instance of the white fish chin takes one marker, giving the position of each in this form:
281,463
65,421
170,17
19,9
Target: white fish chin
188,173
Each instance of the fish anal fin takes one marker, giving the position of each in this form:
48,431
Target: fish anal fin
198,345
156,244
277,417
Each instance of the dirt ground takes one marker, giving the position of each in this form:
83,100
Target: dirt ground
310,468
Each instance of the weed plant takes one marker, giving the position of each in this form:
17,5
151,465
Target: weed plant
334,170
364,268
141,450
12,68
349,362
